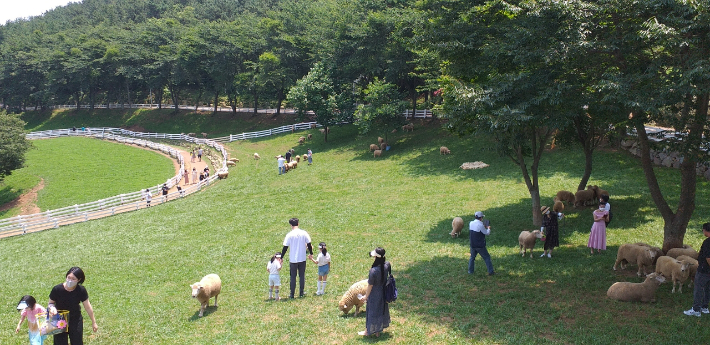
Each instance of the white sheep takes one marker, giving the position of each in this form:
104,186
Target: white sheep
210,286
527,240
456,226
686,250
235,160
641,292
373,147
377,153
231,164
656,250
256,156
444,150
298,158
350,298
676,270
222,174
692,268
639,255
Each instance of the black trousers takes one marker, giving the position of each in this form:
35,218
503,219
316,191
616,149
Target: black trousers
300,268
75,334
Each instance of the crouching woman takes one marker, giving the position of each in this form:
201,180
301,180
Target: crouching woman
67,296
377,310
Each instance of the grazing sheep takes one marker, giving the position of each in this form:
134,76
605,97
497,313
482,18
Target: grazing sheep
235,160
231,164
222,174
641,292
692,268
350,298
558,206
377,153
394,131
210,286
408,128
582,197
601,192
676,270
322,131
380,140
298,158
256,156
373,147
444,150
310,136
564,195
639,255
190,134
294,164
313,126
301,140
656,250
527,240
686,250
204,135
383,146
456,226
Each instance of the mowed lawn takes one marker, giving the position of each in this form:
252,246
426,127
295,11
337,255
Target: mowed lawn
80,170
139,265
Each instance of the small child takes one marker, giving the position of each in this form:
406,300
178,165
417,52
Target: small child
323,262
30,308
273,267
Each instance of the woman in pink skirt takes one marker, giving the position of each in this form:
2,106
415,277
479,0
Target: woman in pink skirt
597,238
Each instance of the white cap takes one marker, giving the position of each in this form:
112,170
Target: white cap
374,253
479,214
22,305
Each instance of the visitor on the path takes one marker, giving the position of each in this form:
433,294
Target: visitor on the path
597,237
199,154
477,238
68,296
551,230
281,160
299,241
202,177
182,193
29,308
186,176
192,156
194,175
377,311
165,190
310,156
207,172
274,268
701,288
148,197
323,261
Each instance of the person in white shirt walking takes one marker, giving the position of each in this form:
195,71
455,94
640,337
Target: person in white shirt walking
299,241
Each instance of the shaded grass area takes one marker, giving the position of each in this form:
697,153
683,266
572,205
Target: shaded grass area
154,120
139,265
80,170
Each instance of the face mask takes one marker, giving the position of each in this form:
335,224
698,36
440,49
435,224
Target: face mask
547,212
601,208
70,283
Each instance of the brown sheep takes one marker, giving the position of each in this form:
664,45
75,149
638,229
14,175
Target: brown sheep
380,140
456,226
582,197
301,140
204,135
383,146
373,147
377,153
640,292
313,126
686,250
558,207
310,136
444,150
639,255
676,270
298,159
564,195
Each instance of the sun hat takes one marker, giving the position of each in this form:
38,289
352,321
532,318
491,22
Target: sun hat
479,214
544,209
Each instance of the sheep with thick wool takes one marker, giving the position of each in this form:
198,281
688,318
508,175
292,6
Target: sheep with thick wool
256,156
301,140
235,160
640,292
564,195
380,140
309,136
350,298
656,250
558,206
210,286
686,250
676,270
692,267
374,147
444,150
456,227
639,255
582,197
527,240
377,153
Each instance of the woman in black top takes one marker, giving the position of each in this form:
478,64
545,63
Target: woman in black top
67,296
552,235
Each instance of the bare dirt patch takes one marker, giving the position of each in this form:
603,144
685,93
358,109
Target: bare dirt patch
26,202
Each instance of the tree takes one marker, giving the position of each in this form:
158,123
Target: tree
382,111
13,143
315,92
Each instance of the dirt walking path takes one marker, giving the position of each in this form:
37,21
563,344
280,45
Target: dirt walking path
26,202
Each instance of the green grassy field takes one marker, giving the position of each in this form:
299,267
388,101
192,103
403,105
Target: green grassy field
139,265
81,170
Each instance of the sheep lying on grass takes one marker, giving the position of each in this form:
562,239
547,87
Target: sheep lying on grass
444,150
256,156
639,255
641,292
692,267
564,195
676,270
527,240
350,298
210,286
686,250
377,153
656,250
456,226
374,147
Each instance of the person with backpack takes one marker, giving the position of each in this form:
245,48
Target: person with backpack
377,310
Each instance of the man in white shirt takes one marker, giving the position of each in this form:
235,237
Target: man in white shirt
299,241
281,161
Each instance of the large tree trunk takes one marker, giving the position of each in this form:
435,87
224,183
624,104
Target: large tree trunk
256,104
588,153
216,99
159,97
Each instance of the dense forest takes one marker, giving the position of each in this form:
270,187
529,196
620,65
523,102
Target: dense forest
522,71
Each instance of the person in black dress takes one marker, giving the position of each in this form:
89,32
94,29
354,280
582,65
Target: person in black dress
552,236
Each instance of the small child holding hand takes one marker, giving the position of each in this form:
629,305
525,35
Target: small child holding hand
273,267
30,308
323,262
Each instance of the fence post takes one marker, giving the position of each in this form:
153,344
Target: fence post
76,208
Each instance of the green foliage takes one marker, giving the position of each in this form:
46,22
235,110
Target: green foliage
13,144
383,109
